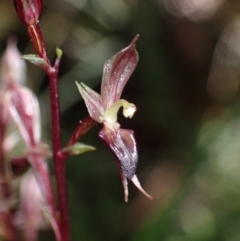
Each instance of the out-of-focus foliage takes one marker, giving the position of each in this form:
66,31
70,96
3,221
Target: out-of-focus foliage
186,88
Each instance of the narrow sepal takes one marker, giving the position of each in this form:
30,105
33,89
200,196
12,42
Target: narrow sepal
36,60
116,72
123,145
92,100
78,148
138,185
125,187
24,108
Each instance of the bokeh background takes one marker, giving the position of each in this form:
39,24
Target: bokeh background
186,88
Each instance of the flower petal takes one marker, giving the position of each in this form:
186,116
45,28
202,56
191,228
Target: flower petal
116,72
92,100
24,108
123,145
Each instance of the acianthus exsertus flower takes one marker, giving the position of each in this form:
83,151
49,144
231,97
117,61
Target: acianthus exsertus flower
104,108
22,109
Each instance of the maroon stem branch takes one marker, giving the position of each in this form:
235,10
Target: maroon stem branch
37,40
58,156
59,164
82,128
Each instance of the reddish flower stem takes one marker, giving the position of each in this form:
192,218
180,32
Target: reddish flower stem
37,40
59,164
83,127
58,156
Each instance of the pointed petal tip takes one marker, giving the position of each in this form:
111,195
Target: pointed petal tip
150,197
135,39
81,87
138,185
77,84
93,101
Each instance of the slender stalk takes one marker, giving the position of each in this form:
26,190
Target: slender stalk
58,156
29,13
82,128
37,40
59,164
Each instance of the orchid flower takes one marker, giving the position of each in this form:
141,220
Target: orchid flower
23,108
104,108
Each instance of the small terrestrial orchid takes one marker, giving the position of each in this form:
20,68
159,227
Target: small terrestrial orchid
23,110
104,108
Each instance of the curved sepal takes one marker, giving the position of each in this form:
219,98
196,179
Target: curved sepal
24,108
92,100
138,185
116,72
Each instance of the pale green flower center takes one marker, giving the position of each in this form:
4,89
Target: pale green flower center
129,109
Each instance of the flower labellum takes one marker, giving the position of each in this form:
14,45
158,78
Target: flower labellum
104,108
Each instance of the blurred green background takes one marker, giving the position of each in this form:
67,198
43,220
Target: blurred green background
187,125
